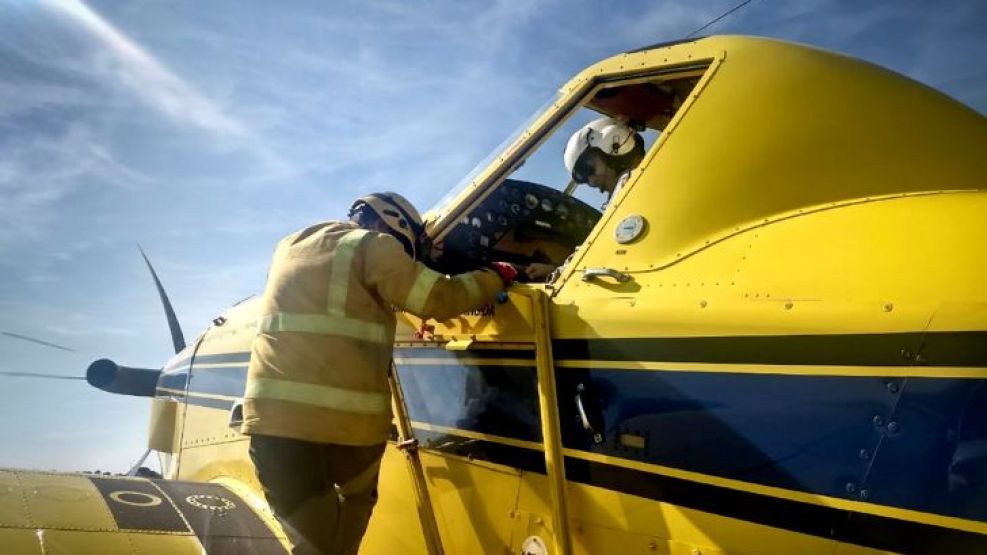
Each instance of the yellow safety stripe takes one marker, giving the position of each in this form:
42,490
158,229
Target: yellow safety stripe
339,274
326,324
472,286
336,398
422,288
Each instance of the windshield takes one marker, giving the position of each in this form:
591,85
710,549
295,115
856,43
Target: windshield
437,211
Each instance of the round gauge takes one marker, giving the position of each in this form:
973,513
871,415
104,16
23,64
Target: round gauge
562,210
515,209
629,229
546,205
531,201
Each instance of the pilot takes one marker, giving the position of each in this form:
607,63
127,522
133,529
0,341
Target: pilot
602,153
317,404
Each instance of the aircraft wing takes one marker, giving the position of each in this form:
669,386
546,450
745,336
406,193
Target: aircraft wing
48,513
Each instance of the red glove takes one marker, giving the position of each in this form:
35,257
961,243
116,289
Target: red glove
507,272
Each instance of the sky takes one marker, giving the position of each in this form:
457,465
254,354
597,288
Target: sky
206,131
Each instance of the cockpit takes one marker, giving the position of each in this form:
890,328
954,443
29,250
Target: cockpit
524,207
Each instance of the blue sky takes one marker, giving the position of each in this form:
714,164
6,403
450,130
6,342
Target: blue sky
206,131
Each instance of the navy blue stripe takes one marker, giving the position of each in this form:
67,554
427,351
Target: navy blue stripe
867,530
228,380
878,532
173,381
220,519
890,349
418,352
132,504
913,444
221,358
210,403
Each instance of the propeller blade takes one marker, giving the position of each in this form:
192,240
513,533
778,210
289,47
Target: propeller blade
38,341
40,375
176,329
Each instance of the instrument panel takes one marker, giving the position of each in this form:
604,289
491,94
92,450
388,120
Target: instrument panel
521,222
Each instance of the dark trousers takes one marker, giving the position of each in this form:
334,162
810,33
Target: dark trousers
322,493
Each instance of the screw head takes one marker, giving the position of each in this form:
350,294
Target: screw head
893,427
878,421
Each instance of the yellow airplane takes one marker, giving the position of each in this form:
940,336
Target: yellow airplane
773,340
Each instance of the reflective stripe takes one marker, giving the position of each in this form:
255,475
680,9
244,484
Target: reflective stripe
326,324
337,398
472,286
420,291
339,274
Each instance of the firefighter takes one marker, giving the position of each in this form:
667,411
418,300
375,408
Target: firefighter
317,403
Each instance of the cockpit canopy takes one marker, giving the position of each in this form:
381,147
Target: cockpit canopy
737,130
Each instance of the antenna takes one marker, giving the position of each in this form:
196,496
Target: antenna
726,13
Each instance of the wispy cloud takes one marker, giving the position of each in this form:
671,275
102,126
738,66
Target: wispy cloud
38,173
136,69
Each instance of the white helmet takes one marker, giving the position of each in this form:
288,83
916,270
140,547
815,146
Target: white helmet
609,135
397,214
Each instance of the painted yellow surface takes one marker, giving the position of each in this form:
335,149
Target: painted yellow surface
20,541
69,502
794,192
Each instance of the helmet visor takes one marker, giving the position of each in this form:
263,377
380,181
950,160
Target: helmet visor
584,168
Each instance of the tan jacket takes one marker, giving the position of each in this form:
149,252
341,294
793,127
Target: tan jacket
319,363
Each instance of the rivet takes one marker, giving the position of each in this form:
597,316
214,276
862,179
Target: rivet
864,454
893,427
702,304
878,421
652,545
906,354
864,494
850,487
789,305
893,387
888,307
